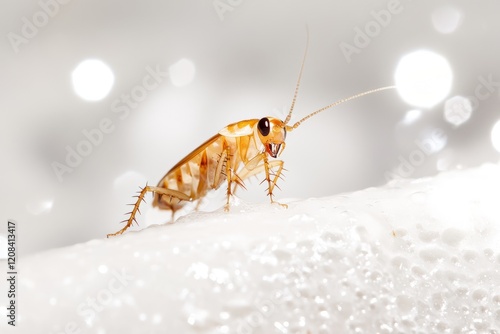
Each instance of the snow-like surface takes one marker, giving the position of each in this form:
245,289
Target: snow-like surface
416,256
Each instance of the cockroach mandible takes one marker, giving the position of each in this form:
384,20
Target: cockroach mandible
238,151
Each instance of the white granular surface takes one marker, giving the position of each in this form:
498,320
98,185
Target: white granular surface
416,256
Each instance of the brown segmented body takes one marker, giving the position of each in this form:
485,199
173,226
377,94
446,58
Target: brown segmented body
203,169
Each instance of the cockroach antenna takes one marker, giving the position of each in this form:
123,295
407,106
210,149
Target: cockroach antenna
289,116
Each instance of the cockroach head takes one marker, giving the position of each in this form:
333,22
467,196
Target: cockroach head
272,134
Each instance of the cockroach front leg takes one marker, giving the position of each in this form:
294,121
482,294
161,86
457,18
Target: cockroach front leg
140,198
260,163
272,181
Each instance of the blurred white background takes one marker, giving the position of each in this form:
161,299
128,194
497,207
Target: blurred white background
165,76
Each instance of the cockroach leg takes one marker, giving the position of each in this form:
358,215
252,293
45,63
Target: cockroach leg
229,177
140,198
272,182
238,151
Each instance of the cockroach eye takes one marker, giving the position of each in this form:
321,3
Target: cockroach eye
264,127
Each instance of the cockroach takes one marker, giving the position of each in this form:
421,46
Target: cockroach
239,151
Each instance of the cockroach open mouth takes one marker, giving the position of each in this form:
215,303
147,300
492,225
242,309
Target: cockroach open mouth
273,149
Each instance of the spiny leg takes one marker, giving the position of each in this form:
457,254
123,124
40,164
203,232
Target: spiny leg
254,167
272,182
229,178
140,198
238,183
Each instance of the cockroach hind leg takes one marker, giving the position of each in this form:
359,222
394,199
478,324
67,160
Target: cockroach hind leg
130,221
140,198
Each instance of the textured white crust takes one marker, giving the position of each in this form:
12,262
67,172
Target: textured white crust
415,256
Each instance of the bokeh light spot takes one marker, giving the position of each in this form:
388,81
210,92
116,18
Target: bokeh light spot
446,19
182,72
423,78
92,80
433,140
412,116
457,110
495,136
39,207
103,269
